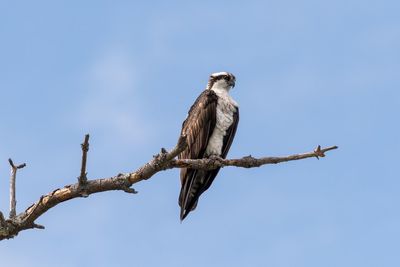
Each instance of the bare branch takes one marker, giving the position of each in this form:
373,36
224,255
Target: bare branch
85,148
245,162
82,179
13,177
162,161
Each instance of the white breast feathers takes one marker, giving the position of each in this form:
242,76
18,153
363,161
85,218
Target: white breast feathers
226,106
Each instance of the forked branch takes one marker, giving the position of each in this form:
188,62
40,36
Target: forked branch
162,161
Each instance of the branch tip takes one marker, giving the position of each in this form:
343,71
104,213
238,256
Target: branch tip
13,166
37,226
11,163
21,166
85,144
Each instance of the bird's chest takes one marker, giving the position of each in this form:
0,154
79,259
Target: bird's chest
224,116
224,119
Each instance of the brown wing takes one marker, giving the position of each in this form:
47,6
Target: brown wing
230,134
198,128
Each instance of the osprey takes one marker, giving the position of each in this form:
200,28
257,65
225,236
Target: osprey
209,128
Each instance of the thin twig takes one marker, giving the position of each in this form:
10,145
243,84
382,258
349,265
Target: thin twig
85,148
13,177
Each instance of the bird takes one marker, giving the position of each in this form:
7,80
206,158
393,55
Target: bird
209,127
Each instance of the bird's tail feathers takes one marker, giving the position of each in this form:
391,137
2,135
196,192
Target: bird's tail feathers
190,192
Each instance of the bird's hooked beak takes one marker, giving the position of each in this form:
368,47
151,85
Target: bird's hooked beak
232,82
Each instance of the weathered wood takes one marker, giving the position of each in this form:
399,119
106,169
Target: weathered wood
162,161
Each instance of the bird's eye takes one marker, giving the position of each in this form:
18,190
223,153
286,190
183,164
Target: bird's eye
226,77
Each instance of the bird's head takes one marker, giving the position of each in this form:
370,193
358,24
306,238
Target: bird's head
221,81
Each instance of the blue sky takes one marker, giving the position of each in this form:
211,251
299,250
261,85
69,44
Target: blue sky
308,73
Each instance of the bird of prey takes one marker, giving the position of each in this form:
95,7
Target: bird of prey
209,128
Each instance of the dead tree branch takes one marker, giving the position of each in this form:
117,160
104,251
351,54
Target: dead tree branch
245,162
82,179
85,148
162,161
13,178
